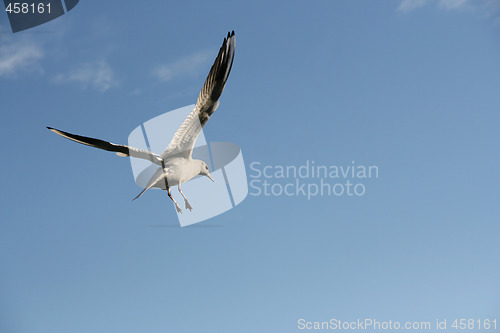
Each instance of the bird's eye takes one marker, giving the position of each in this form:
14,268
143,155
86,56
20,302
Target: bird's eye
206,167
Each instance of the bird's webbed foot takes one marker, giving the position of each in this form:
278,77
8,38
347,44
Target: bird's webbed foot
179,210
188,206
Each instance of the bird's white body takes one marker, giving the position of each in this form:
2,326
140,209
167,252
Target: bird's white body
178,171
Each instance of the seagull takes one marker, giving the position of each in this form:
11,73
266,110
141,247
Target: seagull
176,165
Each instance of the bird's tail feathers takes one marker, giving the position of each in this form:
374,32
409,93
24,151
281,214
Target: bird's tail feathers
156,181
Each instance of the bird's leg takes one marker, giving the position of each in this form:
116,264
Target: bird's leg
188,206
179,210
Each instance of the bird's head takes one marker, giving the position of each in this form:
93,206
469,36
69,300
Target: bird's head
204,170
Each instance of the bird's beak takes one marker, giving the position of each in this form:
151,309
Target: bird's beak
211,178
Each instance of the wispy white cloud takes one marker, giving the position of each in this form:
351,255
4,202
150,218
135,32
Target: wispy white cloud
489,8
19,56
186,66
451,4
136,92
407,5
492,5
492,9
96,75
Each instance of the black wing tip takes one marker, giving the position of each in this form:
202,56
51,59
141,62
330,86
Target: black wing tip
229,36
54,130
228,39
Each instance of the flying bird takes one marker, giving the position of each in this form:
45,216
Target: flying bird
176,165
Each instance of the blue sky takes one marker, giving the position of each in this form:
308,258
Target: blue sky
410,86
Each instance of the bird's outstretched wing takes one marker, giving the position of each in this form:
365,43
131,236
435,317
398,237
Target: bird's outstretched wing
120,150
217,77
183,142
